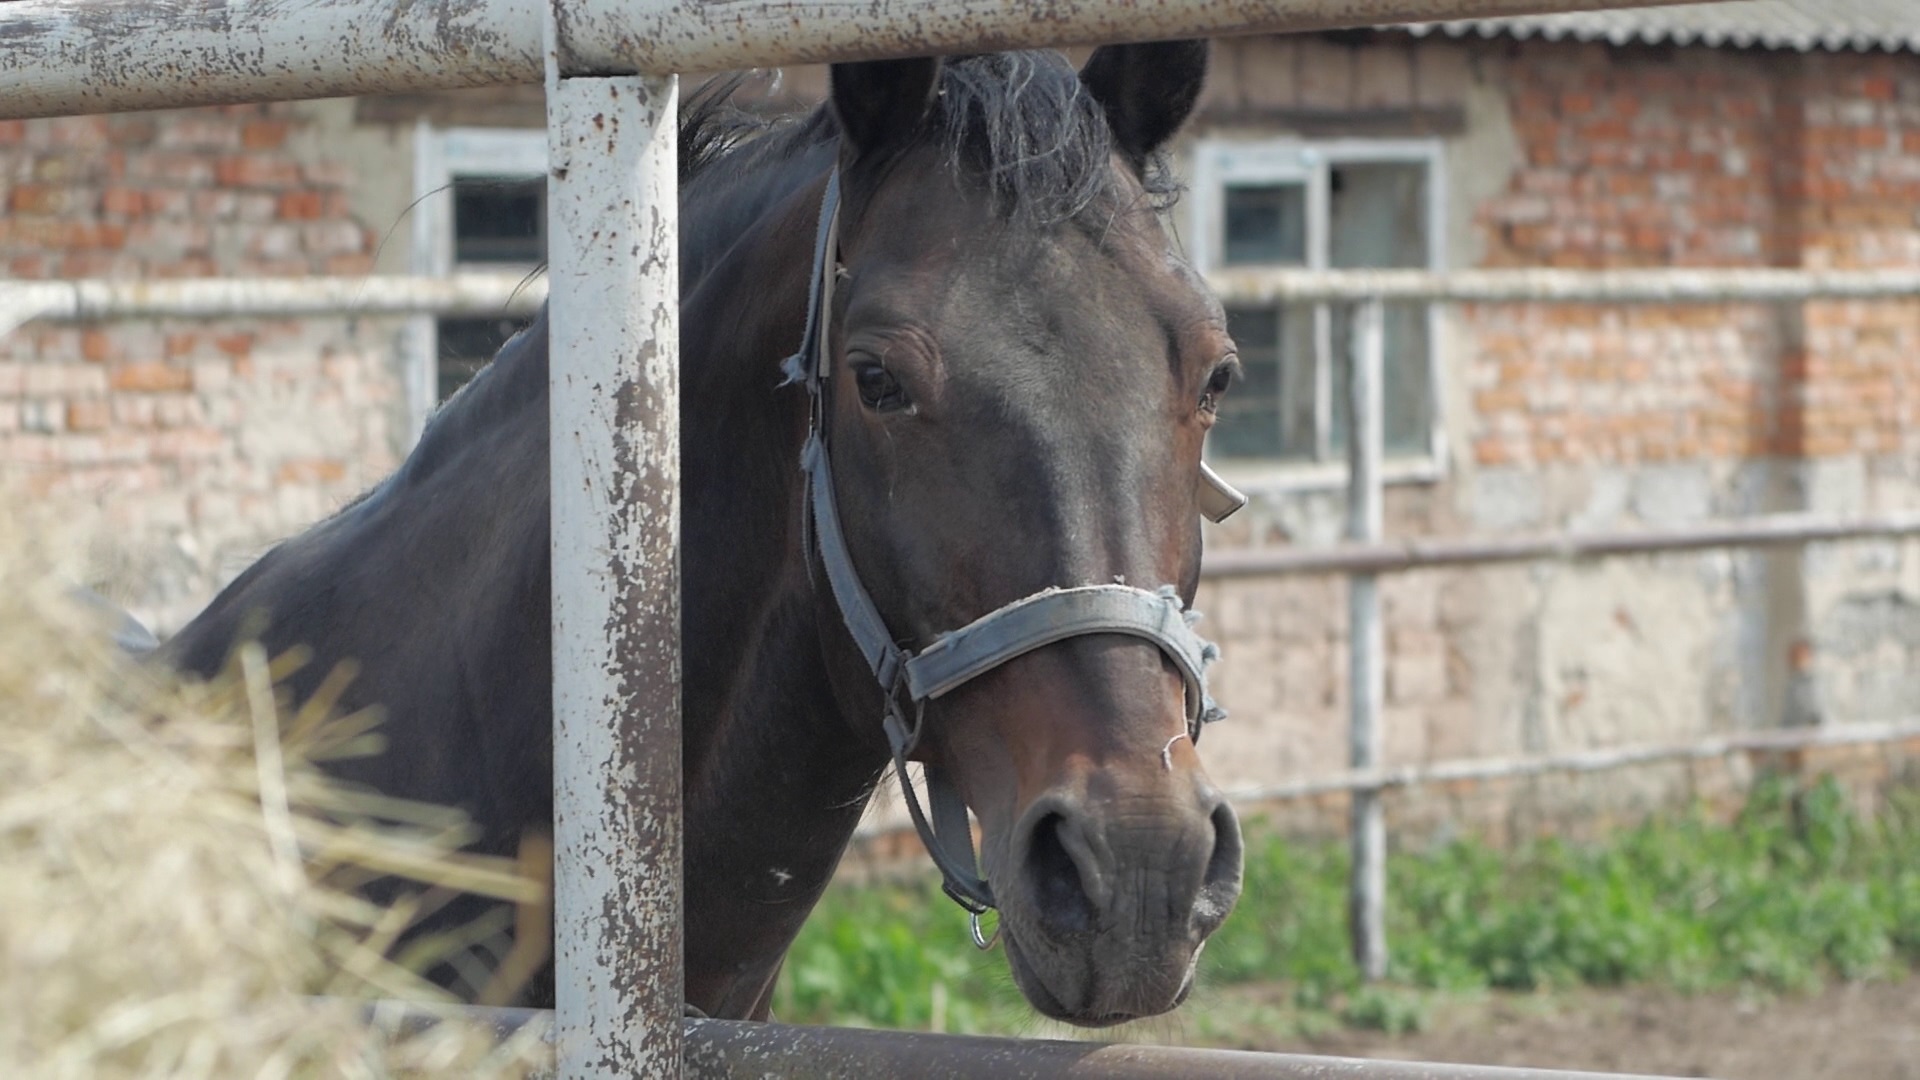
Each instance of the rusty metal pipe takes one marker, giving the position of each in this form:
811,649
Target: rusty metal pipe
672,35
1779,741
1393,557
732,1050
1366,647
614,381
739,1050
1261,286
73,57
78,57
98,300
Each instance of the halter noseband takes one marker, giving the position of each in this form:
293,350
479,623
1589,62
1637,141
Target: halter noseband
909,680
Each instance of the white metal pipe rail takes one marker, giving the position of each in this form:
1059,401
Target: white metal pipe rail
1651,285
486,293
614,452
1366,673
743,1050
67,57
1780,741
102,300
732,1050
1785,740
1403,556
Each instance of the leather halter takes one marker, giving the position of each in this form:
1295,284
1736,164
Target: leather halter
909,680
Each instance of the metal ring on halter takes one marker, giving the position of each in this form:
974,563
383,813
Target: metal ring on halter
982,941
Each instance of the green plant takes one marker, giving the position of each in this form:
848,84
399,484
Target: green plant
1796,890
1378,1008
894,956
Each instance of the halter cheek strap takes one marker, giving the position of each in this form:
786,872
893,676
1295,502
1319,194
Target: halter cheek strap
907,680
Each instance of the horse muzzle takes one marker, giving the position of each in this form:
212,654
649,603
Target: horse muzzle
1106,900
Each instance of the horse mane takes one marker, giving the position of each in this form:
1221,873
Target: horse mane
1019,123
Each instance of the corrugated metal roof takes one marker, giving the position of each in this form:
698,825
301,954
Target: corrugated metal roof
1804,25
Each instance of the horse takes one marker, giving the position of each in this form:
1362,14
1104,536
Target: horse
1015,369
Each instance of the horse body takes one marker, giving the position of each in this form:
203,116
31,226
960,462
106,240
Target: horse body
1016,410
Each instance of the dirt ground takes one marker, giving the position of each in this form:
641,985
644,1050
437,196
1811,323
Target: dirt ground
1856,1032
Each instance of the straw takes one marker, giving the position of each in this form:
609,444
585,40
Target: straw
176,872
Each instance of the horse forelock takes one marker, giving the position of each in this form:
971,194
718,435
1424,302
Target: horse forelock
1024,125
1019,124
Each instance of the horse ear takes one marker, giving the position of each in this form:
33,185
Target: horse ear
1148,91
881,103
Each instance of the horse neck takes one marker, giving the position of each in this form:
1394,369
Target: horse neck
775,782
740,439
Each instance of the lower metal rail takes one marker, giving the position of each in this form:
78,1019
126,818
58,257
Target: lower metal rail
739,1050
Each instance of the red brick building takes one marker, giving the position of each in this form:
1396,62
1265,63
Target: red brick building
1762,133
1783,133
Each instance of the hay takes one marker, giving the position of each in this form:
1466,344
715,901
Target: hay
175,871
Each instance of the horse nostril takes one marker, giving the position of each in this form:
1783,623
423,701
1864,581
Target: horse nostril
1221,885
1064,906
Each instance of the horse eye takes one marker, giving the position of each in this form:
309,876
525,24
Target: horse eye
1218,382
879,390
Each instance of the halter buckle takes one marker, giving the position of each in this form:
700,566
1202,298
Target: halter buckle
983,942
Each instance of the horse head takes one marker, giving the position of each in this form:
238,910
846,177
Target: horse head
1017,371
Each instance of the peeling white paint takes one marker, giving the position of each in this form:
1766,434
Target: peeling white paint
615,445
67,57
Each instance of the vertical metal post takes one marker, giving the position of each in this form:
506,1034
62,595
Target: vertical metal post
613,213
1323,388
432,255
1367,889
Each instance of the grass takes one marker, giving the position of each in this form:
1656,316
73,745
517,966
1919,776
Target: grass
1796,891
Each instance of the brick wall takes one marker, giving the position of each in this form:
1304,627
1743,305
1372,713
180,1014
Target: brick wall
1642,157
1572,416
199,441
1855,185
1645,157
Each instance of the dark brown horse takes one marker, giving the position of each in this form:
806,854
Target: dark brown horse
1019,370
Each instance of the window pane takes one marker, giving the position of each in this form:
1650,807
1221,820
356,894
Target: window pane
499,221
1406,392
466,345
1378,217
1409,394
1266,224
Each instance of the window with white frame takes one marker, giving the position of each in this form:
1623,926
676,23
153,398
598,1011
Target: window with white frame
1342,204
482,206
